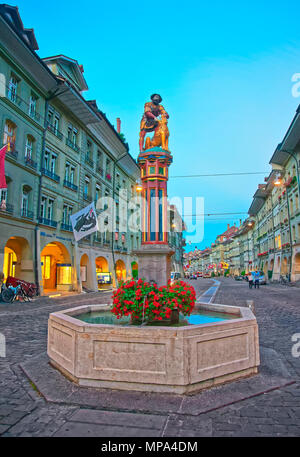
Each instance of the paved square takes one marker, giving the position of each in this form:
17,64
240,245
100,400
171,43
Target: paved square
265,405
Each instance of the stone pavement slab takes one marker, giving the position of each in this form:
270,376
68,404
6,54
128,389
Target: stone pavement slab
248,407
56,388
89,422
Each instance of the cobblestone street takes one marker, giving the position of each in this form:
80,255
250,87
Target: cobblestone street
24,411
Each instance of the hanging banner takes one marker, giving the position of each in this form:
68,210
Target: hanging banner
84,222
3,184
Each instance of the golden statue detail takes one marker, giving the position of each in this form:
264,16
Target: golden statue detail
151,123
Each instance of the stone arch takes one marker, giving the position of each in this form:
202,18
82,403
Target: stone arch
86,272
18,259
103,274
135,269
296,266
56,267
284,266
120,270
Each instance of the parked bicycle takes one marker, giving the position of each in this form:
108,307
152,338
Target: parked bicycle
10,293
284,279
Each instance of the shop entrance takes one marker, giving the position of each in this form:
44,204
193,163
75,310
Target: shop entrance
56,268
120,270
18,260
104,279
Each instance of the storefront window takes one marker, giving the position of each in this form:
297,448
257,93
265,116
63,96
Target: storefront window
64,274
46,266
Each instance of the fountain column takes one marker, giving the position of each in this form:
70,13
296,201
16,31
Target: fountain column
154,257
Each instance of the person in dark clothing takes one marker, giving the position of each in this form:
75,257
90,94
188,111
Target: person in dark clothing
256,279
250,280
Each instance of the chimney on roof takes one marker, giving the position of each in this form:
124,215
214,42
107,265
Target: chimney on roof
240,221
228,226
118,125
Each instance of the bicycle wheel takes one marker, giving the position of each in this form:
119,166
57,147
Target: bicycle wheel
7,295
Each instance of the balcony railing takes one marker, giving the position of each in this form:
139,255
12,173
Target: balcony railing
89,161
70,185
55,131
30,163
26,214
49,222
66,227
7,209
24,106
72,145
50,174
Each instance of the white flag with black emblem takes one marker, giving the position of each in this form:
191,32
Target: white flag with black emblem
84,222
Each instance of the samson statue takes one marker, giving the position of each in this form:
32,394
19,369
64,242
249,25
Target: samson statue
155,119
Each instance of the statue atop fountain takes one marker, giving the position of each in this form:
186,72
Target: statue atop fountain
154,160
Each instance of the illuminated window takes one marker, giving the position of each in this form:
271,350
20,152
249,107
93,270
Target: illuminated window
10,260
46,266
64,274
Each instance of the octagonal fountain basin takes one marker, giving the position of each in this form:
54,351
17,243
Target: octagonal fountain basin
217,344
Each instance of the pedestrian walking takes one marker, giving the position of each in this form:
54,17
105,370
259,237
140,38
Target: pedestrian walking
250,280
256,279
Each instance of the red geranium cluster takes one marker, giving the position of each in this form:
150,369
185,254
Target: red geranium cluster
144,301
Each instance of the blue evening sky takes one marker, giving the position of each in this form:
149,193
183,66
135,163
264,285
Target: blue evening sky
223,69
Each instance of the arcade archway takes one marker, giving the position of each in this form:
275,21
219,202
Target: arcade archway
56,268
104,278
18,260
135,270
120,270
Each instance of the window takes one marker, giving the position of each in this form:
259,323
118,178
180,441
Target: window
89,148
3,195
67,211
56,123
13,87
53,163
24,204
70,173
43,207
98,191
46,266
151,170
72,134
9,134
50,209
86,186
29,147
50,161
32,105
50,116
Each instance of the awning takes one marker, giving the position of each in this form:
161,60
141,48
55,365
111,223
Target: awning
77,105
